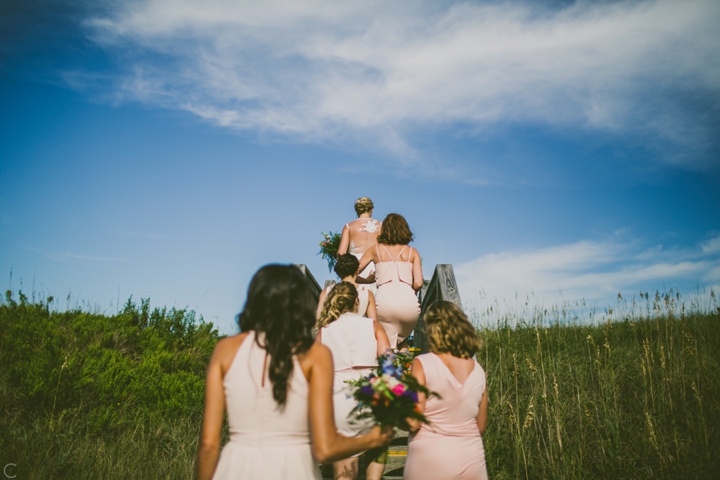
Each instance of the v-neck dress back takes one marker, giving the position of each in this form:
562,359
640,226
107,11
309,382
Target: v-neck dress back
451,446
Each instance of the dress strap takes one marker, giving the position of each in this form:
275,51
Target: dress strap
388,253
399,255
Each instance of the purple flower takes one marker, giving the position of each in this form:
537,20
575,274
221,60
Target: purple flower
411,394
367,390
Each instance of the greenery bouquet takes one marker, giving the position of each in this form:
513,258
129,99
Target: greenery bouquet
389,394
329,248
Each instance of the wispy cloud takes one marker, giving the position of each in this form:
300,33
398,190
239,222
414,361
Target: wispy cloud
587,270
148,235
339,71
67,256
93,258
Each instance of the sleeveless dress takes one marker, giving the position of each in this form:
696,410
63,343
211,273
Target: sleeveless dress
363,300
266,442
398,307
450,448
351,340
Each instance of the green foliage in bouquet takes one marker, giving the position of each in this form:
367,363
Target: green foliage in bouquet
329,248
389,395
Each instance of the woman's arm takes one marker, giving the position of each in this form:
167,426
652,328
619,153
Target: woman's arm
418,372
383,343
209,444
321,302
368,256
417,272
344,241
372,308
483,411
327,444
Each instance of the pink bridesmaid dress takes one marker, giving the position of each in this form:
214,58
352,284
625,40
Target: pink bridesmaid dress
450,448
266,442
397,304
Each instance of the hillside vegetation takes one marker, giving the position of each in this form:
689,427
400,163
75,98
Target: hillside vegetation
86,395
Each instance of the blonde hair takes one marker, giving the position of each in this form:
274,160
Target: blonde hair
448,330
341,299
362,205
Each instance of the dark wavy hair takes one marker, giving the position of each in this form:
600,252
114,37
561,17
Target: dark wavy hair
346,265
448,330
395,231
280,304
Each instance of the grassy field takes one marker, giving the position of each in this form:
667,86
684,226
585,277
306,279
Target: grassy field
86,395
632,398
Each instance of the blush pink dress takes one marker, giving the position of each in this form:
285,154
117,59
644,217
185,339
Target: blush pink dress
398,307
266,442
450,448
351,340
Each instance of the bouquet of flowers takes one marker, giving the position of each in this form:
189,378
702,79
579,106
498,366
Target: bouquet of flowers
389,394
329,248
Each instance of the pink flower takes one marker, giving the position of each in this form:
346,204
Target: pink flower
398,389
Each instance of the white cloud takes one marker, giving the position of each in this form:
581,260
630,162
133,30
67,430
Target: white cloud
318,70
593,271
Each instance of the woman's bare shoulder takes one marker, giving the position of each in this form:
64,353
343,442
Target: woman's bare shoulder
226,348
317,355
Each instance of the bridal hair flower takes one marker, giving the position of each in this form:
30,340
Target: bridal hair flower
363,204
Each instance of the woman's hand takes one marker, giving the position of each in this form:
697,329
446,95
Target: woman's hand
368,256
381,436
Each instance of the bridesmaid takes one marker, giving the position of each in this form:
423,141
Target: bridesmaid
346,268
398,275
360,235
451,447
355,343
277,386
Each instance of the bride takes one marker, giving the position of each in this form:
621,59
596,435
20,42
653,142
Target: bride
360,235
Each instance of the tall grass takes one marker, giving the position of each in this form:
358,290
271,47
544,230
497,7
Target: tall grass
84,395
628,398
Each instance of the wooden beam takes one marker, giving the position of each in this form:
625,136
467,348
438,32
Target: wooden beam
442,287
314,285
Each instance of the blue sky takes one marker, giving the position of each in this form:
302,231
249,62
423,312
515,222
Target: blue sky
168,149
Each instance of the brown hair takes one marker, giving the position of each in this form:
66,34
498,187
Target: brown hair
448,330
395,231
362,205
341,299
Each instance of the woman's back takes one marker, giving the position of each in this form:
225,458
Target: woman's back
455,412
451,446
351,339
266,441
363,234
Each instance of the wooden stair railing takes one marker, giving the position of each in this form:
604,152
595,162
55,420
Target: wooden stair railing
314,285
442,286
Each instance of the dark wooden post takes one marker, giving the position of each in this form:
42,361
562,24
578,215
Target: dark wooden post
314,285
442,287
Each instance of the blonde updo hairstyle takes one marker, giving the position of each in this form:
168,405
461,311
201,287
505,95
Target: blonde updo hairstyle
341,299
448,330
362,205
